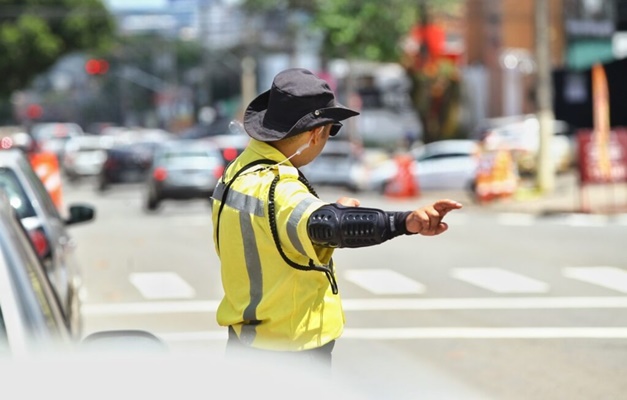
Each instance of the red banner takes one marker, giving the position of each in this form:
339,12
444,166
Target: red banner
602,161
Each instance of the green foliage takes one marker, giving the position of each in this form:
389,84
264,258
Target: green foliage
35,33
359,29
368,29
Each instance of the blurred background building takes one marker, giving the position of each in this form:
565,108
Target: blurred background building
180,56
500,44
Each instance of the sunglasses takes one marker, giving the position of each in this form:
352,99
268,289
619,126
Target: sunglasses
335,128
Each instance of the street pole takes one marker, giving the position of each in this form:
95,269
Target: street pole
249,81
545,172
206,90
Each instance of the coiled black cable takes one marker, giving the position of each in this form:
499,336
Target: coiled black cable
327,269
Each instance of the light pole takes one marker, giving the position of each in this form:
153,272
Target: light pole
545,175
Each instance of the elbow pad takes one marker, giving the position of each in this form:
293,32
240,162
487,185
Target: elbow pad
334,225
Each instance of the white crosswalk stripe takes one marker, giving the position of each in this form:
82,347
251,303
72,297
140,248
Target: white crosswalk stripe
516,219
499,280
162,285
384,281
608,277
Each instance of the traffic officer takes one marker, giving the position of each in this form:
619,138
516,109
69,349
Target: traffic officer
275,237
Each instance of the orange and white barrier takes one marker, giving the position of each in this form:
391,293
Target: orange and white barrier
403,185
497,176
46,166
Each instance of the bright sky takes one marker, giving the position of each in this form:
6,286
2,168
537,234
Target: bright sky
135,4
147,4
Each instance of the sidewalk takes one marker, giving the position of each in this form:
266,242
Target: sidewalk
567,197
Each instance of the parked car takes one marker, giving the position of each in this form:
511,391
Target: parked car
183,170
48,230
340,164
31,316
441,165
85,155
32,321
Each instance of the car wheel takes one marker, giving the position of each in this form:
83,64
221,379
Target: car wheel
353,188
382,187
152,203
102,185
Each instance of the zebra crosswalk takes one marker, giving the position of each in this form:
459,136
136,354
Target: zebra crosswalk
492,280
387,282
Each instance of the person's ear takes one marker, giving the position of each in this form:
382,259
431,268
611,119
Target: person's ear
317,134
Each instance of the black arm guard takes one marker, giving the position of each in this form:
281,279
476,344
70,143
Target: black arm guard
334,225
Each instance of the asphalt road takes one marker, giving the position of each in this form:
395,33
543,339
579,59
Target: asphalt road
502,306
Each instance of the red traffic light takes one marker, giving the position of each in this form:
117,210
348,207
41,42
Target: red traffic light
95,66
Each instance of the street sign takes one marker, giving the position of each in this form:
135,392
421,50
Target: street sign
602,162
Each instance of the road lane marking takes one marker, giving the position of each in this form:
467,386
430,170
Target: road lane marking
609,277
516,219
488,333
161,285
586,220
499,280
436,333
383,281
488,303
193,221
620,219
149,307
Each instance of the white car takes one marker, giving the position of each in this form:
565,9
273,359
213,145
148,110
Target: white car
441,165
84,155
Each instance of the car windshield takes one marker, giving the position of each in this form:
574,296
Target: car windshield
58,131
14,190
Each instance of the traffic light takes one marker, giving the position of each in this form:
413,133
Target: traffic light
96,66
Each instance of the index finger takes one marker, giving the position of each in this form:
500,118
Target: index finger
446,205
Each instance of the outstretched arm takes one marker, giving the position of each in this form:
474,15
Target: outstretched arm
427,220
344,224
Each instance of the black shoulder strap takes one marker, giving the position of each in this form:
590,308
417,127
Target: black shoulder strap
327,269
227,186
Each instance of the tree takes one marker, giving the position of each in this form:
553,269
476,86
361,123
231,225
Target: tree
376,30
34,34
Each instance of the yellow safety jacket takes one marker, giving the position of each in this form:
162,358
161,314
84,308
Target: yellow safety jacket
269,301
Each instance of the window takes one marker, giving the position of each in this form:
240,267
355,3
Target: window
10,183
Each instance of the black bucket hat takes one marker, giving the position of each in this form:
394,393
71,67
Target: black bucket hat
298,101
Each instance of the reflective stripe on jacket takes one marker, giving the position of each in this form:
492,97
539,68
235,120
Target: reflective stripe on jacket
270,304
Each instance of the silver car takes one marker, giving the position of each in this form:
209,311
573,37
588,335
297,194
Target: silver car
47,229
183,170
340,164
31,318
32,321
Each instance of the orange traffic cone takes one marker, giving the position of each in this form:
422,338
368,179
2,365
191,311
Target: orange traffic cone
46,166
403,184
